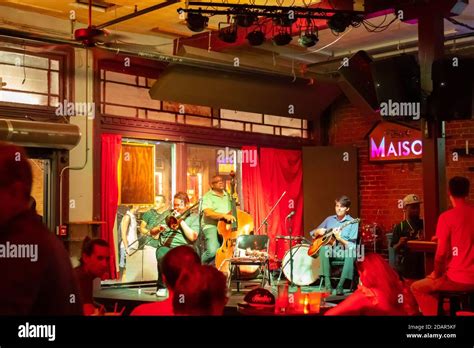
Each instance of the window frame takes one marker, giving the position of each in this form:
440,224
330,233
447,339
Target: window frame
65,57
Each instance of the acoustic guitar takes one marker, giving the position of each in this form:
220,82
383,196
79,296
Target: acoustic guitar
327,238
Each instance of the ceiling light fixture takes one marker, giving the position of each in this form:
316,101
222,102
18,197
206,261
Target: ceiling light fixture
245,20
246,15
308,39
285,19
339,22
283,37
256,37
309,35
228,34
196,22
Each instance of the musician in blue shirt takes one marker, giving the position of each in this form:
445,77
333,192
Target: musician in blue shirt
343,249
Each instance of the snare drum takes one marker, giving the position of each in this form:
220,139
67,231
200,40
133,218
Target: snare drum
305,268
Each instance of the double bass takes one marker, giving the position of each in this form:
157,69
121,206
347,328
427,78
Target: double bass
243,225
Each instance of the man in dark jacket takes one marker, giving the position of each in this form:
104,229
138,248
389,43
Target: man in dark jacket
37,276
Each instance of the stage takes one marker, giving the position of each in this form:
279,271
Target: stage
133,295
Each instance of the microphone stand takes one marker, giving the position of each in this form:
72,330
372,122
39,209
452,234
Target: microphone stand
265,221
291,248
139,239
166,213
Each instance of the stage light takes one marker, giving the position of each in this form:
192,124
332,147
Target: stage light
228,34
282,39
339,22
245,20
285,20
308,39
196,22
356,20
256,37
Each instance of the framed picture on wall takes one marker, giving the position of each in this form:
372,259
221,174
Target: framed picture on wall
137,174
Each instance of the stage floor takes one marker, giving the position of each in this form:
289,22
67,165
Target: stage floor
134,295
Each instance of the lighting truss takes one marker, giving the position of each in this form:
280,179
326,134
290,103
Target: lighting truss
275,12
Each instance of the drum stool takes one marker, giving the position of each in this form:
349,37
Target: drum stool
458,300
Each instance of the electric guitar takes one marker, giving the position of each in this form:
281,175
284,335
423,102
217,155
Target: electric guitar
327,238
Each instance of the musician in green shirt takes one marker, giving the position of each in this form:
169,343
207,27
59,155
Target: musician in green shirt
185,234
216,205
152,219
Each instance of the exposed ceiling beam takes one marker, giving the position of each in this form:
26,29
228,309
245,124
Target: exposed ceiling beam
137,13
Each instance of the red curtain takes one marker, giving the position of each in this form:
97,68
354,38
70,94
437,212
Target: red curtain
277,171
254,199
110,157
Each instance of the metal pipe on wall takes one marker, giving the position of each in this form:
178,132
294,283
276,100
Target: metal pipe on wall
61,177
40,134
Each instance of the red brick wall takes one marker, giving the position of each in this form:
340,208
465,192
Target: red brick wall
382,185
457,132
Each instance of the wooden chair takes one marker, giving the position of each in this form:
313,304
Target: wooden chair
258,243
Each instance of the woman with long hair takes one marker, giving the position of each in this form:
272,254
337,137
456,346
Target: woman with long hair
380,292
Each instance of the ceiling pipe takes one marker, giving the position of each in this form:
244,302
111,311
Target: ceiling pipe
18,34
391,49
270,8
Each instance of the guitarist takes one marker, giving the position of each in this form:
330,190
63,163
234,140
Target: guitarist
216,205
345,242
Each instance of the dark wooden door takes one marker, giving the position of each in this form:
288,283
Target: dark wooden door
328,172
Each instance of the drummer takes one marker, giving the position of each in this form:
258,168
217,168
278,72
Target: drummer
345,247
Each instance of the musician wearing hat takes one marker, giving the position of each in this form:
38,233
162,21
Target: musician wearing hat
409,264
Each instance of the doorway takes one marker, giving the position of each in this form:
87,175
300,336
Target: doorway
43,164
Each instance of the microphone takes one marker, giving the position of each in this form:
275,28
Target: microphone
291,214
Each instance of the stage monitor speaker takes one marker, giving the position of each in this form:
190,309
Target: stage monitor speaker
453,92
397,79
357,82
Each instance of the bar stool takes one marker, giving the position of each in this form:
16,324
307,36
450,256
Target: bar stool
458,300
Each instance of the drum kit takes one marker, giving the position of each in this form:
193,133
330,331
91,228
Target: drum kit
305,268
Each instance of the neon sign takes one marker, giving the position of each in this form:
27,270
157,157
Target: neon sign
394,142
